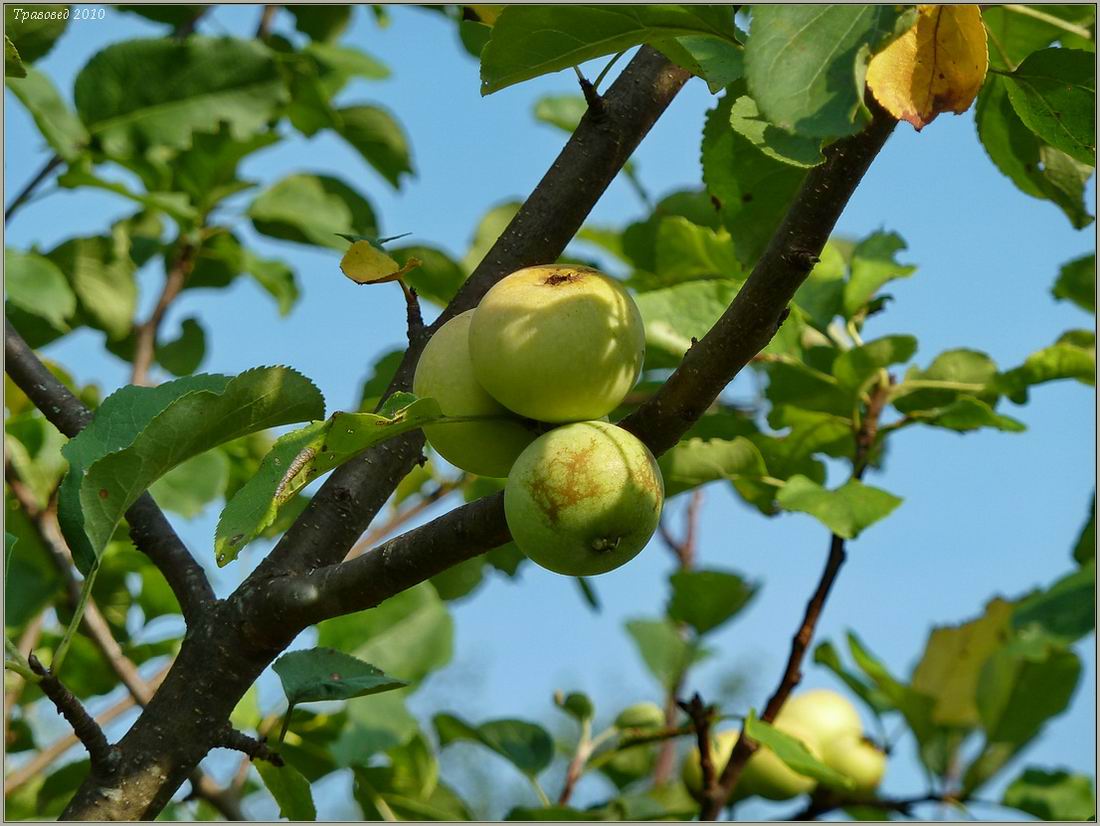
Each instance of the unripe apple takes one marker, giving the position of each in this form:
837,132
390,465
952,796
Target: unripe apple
764,775
858,759
584,498
640,715
444,373
826,714
557,343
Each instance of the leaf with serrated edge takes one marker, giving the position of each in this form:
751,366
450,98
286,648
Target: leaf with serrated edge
299,457
141,433
320,674
846,511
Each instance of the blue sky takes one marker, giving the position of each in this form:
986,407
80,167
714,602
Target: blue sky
983,514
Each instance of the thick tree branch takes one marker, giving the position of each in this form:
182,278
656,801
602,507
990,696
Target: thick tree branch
753,318
146,333
743,330
538,234
150,530
85,728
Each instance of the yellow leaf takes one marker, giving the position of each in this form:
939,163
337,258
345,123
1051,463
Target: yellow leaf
937,66
364,263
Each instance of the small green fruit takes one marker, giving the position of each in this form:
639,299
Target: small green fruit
557,343
444,373
640,715
858,759
764,775
583,499
826,714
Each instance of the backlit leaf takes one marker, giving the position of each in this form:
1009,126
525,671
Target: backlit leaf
35,285
364,263
707,599
290,790
746,120
58,124
525,745
937,66
846,511
376,136
319,674
1077,282
312,209
665,652
1052,795
793,752
1054,93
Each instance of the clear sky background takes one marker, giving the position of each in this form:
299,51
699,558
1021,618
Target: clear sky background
984,514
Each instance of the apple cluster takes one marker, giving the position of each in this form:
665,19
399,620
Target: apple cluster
827,725
534,372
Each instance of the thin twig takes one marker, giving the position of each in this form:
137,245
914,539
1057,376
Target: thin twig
255,748
85,728
146,333
413,319
792,674
26,192
46,757
149,529
702,716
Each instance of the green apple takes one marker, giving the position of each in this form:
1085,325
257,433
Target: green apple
764,775
584,498
640,715
445,374
557,343
827,714
858,759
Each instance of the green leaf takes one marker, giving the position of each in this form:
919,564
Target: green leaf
1054,93
182,355
31,579
312,209
35,285
1073,356
1065,611
1035,168
190,486
290,789
796,150
319,674
874,263
753,191
140,433
380,723
1021,687
102,276
221,258
718,62
528,41
793,753
320,22
13,65
951,375
675,315
151,93
1077,282
967,413
409,635
299,457
549,813
459,580
35,28
562,111
826,654
1052,795
795,384
1085,547
376,136
854,367
525,745
846,511
806,64
58,124
706,600
952,662
174,204
207,170
1017,35
338,64
667,654
694,462
488,230
821,295
686,251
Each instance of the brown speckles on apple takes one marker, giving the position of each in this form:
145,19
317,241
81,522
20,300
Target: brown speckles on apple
568,480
